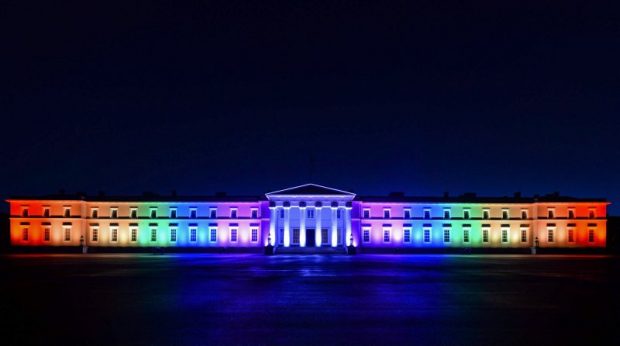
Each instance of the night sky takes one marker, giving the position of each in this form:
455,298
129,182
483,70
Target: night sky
416,96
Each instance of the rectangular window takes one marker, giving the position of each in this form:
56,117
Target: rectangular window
524,214
67,231
550,235
46,212
505,214
446,213
591,235
324,238
94,213
466,214
254,235
254,213
134,234
153,234
407,235
153,213
193,213
366,235
67,211
338,213
386,213
233,235
407,213
213,213
233,213
173,234
592,214
295,235
94,234
485,235
46,234
386,235
173,213
24,212
427,235
524,235
466,235
114,213
485,214
504,235
133,212
25,234
571,235
193,234
427,213
310,213
551,213
366,213
446,235
571,213
114,234
213,234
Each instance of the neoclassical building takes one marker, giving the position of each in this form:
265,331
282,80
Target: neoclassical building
309,216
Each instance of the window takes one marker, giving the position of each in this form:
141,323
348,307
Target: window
212,213
324,237
254,235
446,213
233,213
254,213
193,213
94,234
46,234
550,235
134,234
386,213
551,213
213,234
466,214
524,214
571,235
504,235
571,213
524,235
338,213
192,234
295,235
407,213
386,235
485,213
24,212
282,213
153,234
446,235
366,235
591,214
46,211
94,213
173,213
67,211
407,235
67,231
466,235
427,213
233,235
173,234
505,214
153,213
25,234
427,235
366,213
591,235
485,235
114,213
114,234
133,212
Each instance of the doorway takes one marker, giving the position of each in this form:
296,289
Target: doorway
310,237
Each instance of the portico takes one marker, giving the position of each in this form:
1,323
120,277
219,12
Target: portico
310,215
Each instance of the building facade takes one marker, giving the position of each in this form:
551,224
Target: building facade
309,216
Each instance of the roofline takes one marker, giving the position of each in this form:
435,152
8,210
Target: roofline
302,185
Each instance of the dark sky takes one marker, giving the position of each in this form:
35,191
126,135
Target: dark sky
416,96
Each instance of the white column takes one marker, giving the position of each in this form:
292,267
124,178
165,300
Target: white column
317,232
347,220
272,224
334,235
287,226
302,227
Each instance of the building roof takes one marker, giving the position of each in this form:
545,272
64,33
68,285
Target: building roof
309,190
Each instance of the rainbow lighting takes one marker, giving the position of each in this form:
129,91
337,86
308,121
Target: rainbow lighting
309,216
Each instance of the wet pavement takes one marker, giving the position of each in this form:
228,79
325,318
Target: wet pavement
254,299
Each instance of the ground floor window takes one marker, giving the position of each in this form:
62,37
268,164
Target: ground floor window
94,234
153,234
446,235
296,236
67,234
233,235
504,236
134,234
173,234
407,235
213,235
466,236
324,238
192,234
386,235
591,235
46,234
427,235
571,235
550,235
254,235
114,235
25,234
366,235
523,235
485,235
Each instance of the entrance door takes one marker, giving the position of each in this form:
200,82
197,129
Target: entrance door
310,237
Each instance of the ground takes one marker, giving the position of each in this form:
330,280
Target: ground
255,299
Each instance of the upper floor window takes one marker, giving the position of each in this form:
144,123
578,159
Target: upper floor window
153,213
25,212
407,213
212,213
486,213
571,213
94,213
524,214
173,213
366,214
67,211
386,213
310,213
427,213
193,213
114,213
46,211
254,212
446,213
466,214
233,213
282,213
133,212
550,213
505,214
338,213
592,213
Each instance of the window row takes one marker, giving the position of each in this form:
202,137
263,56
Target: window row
173,232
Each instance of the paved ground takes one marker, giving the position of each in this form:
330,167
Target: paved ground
253,299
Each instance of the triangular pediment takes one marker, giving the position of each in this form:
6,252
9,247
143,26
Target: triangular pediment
310,190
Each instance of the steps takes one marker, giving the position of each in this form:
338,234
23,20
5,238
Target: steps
340,250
